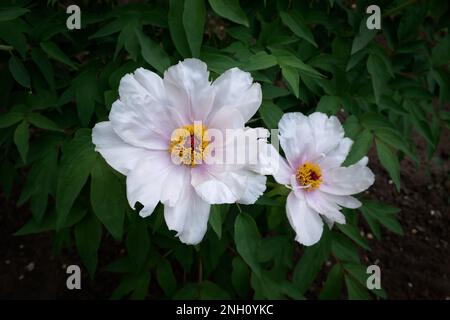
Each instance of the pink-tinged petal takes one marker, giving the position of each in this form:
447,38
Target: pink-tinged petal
305,221
189,90
337,156
235,89
120,155
146,182
283,172
296,138
147,125
189,217
327,132
324,205
350,180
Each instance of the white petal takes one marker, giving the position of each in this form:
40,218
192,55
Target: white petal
282,171
256,184
146,181
306,222
218,186
226,118
336,157
327,131
344,201
189,217
235,88
296,138
120,155
324,205
188,89
347,180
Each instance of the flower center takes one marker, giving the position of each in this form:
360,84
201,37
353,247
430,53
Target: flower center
309,176
188,145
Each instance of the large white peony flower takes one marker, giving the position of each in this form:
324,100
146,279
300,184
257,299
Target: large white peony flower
315,149
158,136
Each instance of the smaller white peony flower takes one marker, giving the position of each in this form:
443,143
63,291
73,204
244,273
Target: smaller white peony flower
159,135
315,149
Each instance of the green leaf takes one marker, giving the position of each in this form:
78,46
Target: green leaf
21,137
363,38
270,113
86,93
259,61
48,222
76,163
290,74
286,58
333,285
216,220
378,73
193,23
295,22
55,52
7,14
247,239
137,284
396,140
240,276
389,161
42,122
360,147
356,291
310,264
231,10
107,198
88,234
343,248
19,72
329,104
9,119
165,277
383,213
175,19
138,241
359,272
353,233
153,53
44,65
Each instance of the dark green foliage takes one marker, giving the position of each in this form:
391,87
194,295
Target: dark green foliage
55,84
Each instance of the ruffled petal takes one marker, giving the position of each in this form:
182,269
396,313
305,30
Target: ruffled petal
256,185
146,182
120,155
337,156
350,180
189,90
305,221
235,88
189,217
327,132
325,205
216,185
296,138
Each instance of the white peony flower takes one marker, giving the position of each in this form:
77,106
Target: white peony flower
315,149
158,136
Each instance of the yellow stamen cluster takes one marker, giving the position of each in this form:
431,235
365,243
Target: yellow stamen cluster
309,176
189,145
